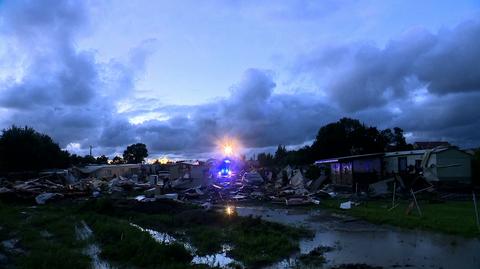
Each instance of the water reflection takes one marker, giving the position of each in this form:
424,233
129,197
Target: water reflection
219,259
363,242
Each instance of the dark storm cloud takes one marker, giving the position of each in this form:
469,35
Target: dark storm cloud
64,91
451,65
428,84
252,113
359,76
57,73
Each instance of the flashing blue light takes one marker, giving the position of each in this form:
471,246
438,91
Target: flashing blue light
226,161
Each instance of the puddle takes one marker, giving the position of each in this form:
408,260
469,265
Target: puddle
93,250
163,238
219,259
357,241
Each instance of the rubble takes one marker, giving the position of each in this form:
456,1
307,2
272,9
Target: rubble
287,186
50,186
41,199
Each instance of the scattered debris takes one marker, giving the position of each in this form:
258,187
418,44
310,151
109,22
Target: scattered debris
41,199
11,246
346,205
356,266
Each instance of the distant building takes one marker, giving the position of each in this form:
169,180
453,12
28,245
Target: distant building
350,170
188,170
430,144
444,165
108,170
399,162
447,165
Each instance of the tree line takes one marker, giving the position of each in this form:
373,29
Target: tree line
342,138
24,149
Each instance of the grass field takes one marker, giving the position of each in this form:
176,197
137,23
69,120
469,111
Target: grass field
47,236
453,217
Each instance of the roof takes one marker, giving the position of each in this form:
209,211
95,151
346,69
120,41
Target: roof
92,168
441,149
430,144
346,158
405,152
188,162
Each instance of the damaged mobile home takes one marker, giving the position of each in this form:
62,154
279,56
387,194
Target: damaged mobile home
440,165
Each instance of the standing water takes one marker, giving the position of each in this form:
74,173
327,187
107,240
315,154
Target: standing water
357,241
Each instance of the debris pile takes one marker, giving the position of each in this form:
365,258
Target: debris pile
54,186
288,186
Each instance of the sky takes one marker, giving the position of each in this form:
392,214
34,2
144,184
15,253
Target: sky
180,76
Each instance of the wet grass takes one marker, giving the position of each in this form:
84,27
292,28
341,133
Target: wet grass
258,242
207,240
45,239
254,242
452,217
314,258
48,238
124,244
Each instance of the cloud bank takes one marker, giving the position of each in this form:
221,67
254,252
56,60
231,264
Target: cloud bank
427,83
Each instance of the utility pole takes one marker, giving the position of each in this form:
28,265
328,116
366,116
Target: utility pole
91,150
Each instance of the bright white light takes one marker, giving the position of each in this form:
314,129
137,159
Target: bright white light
228,147
163,160
229,210
228,150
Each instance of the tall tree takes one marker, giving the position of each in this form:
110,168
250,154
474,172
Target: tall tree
135,153
89,159
24,149
346,137
118,160
102,160
399,140
280,154
265,159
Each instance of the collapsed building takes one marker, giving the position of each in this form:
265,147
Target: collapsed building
107,170
443,166
356,171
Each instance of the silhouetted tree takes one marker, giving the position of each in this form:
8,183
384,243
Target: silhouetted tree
24,149
135,153
394,141
102,160
118,160
346,137
280,155
265,159
89,159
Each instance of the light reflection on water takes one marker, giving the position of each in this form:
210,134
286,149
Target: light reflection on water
218,259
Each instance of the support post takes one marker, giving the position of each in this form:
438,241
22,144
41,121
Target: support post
394,190
476,210
416,203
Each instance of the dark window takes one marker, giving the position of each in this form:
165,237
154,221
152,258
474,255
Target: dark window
402,164
418,165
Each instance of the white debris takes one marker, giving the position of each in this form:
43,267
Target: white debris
41,199
346,205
